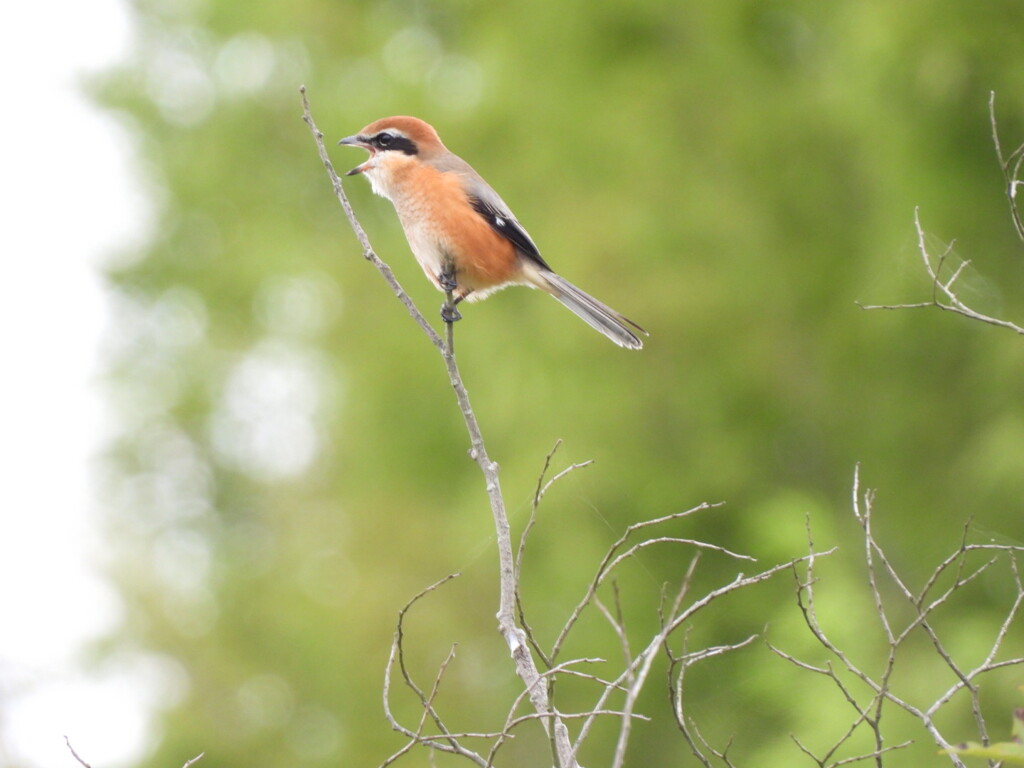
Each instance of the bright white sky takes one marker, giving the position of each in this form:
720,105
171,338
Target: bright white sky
67,200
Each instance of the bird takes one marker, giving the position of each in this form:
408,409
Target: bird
463,235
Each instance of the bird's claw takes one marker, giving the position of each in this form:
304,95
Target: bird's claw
447,281
449,313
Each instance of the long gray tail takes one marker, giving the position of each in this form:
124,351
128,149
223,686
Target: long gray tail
598,316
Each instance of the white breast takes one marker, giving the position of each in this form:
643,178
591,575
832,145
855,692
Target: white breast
414,217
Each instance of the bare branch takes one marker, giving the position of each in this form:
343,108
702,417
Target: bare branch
876,755
944,296
678,617
610,561
368,253
444,740
514,636
924,605
544,487
187,764
696,741
541,490
1010,166
75,754
618,625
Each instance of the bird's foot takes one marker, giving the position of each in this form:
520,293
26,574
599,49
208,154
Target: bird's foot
449,313
447,280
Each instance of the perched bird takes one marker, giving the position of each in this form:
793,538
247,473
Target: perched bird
460,231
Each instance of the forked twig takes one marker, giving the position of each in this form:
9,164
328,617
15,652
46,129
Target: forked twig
444,740
944,294
542,488
613,558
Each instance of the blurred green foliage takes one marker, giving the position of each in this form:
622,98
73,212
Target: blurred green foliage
290,465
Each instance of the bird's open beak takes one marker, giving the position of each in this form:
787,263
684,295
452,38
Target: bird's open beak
355,141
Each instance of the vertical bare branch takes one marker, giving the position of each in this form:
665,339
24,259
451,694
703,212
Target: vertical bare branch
514,636
1010,166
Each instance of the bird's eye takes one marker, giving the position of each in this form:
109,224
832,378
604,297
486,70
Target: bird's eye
384,139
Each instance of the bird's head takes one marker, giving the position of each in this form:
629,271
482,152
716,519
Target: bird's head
393,139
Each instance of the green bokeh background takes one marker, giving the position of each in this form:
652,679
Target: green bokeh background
290,464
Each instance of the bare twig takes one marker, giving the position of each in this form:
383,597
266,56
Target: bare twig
1010,166
610,561
444,740
698,738
187,764
565,668
368,253
944,295
75,754
541,489
678,667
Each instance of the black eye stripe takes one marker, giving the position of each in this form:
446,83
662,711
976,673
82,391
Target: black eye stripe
392,142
